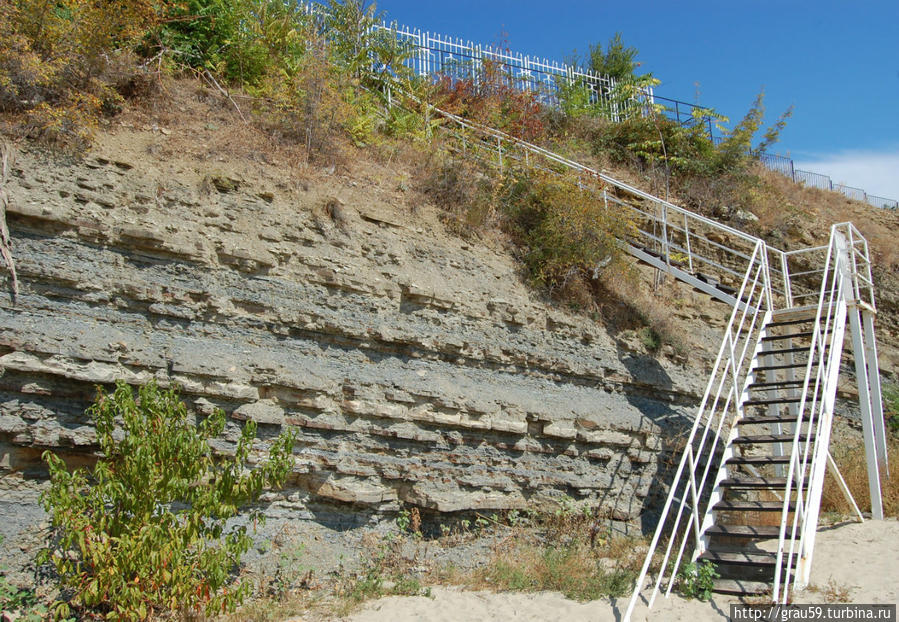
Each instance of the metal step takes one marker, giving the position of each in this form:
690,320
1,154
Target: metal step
744,531
774,324
794,315
731,586
751,506
773,438
785,366
773,400
777,384
767,483
796,350
802,335
758,460
768,419
756,558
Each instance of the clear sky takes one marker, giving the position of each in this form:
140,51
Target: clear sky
836,62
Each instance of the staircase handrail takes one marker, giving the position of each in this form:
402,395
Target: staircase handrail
756,287
726,371
841,285
668,220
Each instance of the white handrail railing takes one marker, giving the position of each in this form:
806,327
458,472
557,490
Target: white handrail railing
730,376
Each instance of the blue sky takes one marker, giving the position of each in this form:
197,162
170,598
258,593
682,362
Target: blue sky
836,62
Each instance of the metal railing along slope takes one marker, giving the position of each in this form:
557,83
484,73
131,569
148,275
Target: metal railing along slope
437,54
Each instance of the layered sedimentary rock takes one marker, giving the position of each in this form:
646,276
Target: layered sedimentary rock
416,368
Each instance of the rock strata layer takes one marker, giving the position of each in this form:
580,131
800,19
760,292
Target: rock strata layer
416,368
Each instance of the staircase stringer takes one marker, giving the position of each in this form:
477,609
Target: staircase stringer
812,505
867,375
717,491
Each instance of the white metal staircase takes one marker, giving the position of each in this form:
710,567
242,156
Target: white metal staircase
759,444
747,490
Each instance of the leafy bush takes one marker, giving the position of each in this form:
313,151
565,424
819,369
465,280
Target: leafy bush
242,41
146,530
610,100
716,179
491,98
696,580
565,233
59,61
359,49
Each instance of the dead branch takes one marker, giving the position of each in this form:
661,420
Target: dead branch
224,93
6,155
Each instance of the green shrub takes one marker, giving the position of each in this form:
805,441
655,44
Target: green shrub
146,530
650,338
565,232
697,580
242,41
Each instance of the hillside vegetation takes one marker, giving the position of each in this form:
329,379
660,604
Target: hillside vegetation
307,85
300,92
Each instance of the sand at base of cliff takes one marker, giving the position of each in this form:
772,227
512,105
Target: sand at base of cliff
859,560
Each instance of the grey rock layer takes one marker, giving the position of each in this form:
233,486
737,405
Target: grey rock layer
416,369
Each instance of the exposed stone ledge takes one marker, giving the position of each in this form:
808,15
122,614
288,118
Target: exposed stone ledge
416,369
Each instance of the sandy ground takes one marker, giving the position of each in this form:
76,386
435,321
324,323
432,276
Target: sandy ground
860,558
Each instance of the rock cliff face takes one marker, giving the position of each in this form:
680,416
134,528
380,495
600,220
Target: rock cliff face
417,369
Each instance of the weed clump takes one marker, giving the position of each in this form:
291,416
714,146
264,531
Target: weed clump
850,458
696,580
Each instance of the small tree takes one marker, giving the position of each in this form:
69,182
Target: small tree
617,61
146,530
737,145
600,98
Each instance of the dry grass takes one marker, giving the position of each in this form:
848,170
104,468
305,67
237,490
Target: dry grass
626,301
805,215
832,592
566,550
577,571
850,458
273,609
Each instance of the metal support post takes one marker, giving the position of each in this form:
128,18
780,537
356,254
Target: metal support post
880,436
864,399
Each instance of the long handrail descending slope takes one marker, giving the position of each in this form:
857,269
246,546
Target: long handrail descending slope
434,54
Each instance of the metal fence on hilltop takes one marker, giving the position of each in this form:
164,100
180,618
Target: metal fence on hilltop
786,166
435,54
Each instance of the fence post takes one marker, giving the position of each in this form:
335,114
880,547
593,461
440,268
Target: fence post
478,63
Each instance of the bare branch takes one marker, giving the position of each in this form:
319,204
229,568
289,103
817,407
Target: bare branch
218,86
6,154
